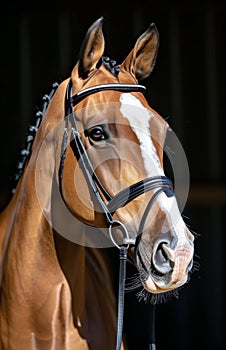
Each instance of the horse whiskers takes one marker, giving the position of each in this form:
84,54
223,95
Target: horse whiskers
131,261
196,234
156,299
185,217
195,267
134,283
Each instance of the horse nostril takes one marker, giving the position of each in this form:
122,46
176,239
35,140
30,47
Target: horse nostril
161,259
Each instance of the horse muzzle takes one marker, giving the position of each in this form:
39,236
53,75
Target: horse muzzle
168,268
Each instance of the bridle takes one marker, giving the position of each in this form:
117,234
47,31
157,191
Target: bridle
161,183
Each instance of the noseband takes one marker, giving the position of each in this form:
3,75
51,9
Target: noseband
162,183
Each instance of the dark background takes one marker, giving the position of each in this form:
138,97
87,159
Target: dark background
39,45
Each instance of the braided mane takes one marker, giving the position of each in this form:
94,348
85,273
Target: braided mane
110,65
26,150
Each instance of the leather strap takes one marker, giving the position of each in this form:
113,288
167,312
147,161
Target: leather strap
75,99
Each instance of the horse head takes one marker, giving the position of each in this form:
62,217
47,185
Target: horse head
109,164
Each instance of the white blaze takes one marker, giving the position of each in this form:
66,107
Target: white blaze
139,119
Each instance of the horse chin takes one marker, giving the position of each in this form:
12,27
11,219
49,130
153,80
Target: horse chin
160,279
156,286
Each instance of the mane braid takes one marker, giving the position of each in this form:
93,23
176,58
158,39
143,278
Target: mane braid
26,151
110,65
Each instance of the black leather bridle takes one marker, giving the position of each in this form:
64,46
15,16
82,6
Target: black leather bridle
161,183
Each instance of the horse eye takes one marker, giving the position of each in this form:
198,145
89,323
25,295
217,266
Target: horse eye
97,133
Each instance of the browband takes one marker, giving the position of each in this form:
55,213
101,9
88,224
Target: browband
97,88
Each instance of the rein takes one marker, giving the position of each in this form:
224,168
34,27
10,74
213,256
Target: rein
120,199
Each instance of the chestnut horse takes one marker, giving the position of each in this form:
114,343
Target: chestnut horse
93,181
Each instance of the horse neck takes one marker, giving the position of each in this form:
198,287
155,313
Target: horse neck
46,269
29,262
26,232
45,262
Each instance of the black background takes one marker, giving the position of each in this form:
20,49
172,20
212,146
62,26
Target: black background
39,45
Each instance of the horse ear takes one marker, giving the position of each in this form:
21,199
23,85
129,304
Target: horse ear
141,60
91,50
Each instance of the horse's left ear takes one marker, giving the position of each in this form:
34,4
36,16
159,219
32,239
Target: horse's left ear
91,50
141,59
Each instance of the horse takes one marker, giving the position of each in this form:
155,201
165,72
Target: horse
92,182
